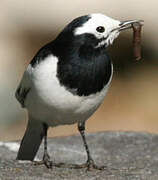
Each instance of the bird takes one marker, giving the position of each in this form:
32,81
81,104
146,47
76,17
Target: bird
67,80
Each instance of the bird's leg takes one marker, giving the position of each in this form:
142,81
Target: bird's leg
46,158
81,128
90,163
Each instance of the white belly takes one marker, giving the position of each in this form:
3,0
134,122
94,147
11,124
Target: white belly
50,102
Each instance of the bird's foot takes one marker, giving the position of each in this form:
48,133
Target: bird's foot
90,165
46,161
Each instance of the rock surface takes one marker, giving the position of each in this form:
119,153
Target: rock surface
127,155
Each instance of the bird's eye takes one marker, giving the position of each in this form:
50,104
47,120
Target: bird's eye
100,29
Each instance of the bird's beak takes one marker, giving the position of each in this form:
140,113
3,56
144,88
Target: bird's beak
128,24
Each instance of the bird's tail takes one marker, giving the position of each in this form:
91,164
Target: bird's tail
31,140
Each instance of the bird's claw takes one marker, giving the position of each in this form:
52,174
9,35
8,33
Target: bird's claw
90,165
46,161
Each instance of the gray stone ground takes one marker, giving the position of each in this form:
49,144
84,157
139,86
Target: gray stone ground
127,155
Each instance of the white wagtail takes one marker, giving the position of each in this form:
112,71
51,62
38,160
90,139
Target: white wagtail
67,80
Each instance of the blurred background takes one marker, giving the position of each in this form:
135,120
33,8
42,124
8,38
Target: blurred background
132,100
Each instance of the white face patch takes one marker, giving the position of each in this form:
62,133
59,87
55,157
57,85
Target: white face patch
109,40
97,20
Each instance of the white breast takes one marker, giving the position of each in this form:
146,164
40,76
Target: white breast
50,102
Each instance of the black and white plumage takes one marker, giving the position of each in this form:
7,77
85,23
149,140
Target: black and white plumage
67,80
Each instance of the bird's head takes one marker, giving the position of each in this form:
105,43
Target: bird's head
96,30
84,67
101,27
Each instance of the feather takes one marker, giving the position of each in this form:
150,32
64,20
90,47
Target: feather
24,86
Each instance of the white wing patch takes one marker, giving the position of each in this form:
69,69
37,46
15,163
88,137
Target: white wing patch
24,86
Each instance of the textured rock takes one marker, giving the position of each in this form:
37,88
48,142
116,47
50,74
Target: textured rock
127,155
